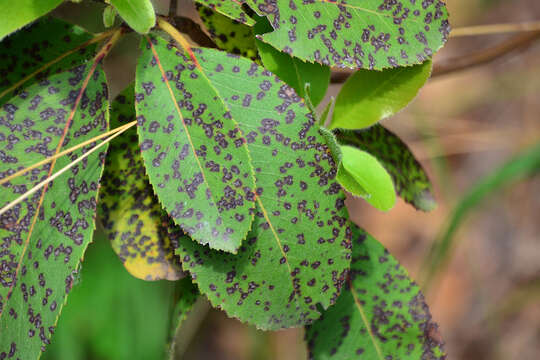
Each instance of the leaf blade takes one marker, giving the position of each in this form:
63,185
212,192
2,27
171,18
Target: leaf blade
138,14
381,313
141,233
369,96
298,236
356,33
214,202
26,11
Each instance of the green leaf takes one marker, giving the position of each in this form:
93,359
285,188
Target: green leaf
409,177
45,236
361,174
110,315
47,47
109,16
230,8
196,156
228,34
17,14
141,233
138,14
381,313
367,34
370,96
292,70
297,252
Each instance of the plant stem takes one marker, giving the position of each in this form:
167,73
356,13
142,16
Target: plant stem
64,152
175,34
495,29
63,170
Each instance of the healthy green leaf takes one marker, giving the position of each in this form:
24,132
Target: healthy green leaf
16,14
381,314
410,179
370,96
109,16
141,233
230,8
138,14
195,154
367,34
45,236
228,34
297,252
361,174
292,70
47,47
110,315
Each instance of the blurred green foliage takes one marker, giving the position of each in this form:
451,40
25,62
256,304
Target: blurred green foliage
110,314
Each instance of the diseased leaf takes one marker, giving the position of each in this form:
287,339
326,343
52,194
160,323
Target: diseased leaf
196,157
34,49
110,315
292,70
297,252
141,233
367,34
138,14
230,8
229,35
16,14
409,177
370,96
44,237
187,294
362,175
381,313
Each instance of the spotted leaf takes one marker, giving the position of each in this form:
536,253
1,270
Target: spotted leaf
368,34
195,154
292,70
381,313
297,253
141,233
410,179
228,34
47,47
44,237
230,8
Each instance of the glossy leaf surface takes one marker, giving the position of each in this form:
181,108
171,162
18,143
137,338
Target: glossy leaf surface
138,14
370,96
141,233
16,14
47,47
367,34
410,179
45,236
381,313
194,151
297,252
361,174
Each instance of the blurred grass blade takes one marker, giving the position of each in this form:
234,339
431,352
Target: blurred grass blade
520,167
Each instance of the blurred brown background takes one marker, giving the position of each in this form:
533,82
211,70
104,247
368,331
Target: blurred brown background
462,126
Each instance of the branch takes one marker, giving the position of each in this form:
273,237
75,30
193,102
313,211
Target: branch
485,56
